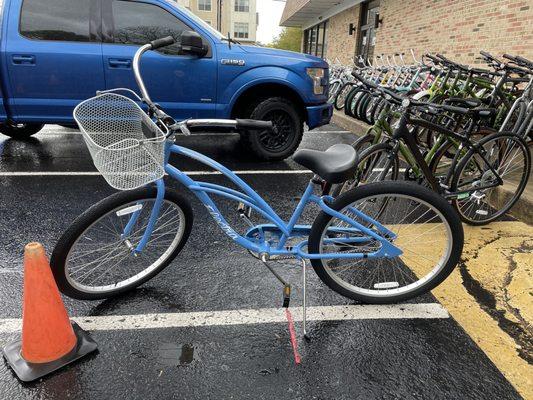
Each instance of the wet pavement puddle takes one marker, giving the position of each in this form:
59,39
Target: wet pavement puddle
176,355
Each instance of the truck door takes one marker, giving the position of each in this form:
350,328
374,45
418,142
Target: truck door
54,57
184,86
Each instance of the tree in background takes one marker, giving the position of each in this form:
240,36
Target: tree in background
288,39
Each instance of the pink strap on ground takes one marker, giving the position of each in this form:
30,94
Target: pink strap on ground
294,342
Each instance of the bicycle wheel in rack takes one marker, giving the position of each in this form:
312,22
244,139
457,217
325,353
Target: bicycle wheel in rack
429,233
340,99
509,155
93,261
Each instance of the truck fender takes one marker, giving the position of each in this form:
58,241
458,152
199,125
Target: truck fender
263,75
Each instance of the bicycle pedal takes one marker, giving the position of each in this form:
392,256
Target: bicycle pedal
286,296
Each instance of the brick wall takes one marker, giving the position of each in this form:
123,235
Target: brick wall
340,44
457,28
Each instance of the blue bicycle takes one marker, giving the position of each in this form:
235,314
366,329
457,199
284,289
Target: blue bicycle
379,243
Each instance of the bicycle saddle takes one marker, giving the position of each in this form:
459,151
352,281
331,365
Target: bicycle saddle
335,165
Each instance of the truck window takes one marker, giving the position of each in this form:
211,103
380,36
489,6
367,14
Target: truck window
65,20
140,23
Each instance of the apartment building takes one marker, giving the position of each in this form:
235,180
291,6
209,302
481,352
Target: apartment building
459,29
236,17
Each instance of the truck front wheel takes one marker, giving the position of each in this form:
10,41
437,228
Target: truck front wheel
284,139
20,131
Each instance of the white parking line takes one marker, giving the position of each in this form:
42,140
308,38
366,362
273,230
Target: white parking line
247,317
190,173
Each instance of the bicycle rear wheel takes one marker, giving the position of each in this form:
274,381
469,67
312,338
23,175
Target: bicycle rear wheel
93,261
509,155
428,230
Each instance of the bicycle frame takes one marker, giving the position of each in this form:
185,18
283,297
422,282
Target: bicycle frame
254,240
403,133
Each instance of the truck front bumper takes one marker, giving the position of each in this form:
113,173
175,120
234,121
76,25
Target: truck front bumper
319,115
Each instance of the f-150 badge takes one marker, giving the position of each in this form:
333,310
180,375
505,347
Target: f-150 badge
236,63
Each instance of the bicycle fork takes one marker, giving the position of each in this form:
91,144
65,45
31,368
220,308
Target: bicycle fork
151,222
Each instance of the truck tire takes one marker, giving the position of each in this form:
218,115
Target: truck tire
20,131
283,141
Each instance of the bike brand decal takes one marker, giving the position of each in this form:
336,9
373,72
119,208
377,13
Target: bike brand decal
386,285
129,210
225,227
235,63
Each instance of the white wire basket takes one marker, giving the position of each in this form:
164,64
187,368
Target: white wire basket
127,147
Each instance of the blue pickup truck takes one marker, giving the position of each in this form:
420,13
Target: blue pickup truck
56,53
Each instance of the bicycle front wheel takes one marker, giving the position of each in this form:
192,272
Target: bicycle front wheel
427,229
94,260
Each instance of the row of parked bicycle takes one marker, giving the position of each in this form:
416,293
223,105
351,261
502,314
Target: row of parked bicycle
460,130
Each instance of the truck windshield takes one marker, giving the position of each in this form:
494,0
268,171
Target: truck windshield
197,19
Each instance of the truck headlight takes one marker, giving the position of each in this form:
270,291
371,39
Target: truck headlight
317,75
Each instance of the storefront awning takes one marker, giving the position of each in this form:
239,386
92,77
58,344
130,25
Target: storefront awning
304,13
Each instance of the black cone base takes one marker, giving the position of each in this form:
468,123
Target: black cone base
28,372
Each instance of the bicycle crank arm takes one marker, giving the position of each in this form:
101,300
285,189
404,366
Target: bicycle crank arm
286,286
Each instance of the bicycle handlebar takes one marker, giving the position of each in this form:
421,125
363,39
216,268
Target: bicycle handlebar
522,62
400,99
489,57
251,124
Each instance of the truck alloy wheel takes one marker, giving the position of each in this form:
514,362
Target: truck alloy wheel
283,140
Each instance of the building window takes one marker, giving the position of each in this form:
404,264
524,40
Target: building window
204,5
367,30
315,42
242,5
241,30
208,22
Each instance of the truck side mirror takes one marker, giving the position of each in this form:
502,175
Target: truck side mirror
192,43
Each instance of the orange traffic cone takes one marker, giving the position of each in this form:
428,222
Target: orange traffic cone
49,340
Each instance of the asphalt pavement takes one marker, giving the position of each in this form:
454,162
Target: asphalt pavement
410,351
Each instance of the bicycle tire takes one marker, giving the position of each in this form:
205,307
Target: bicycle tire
94,214
454,185
425,196
340,98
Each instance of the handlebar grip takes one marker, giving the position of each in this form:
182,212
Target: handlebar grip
363,80
454,109
163,42
509,57
524,60
253,124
